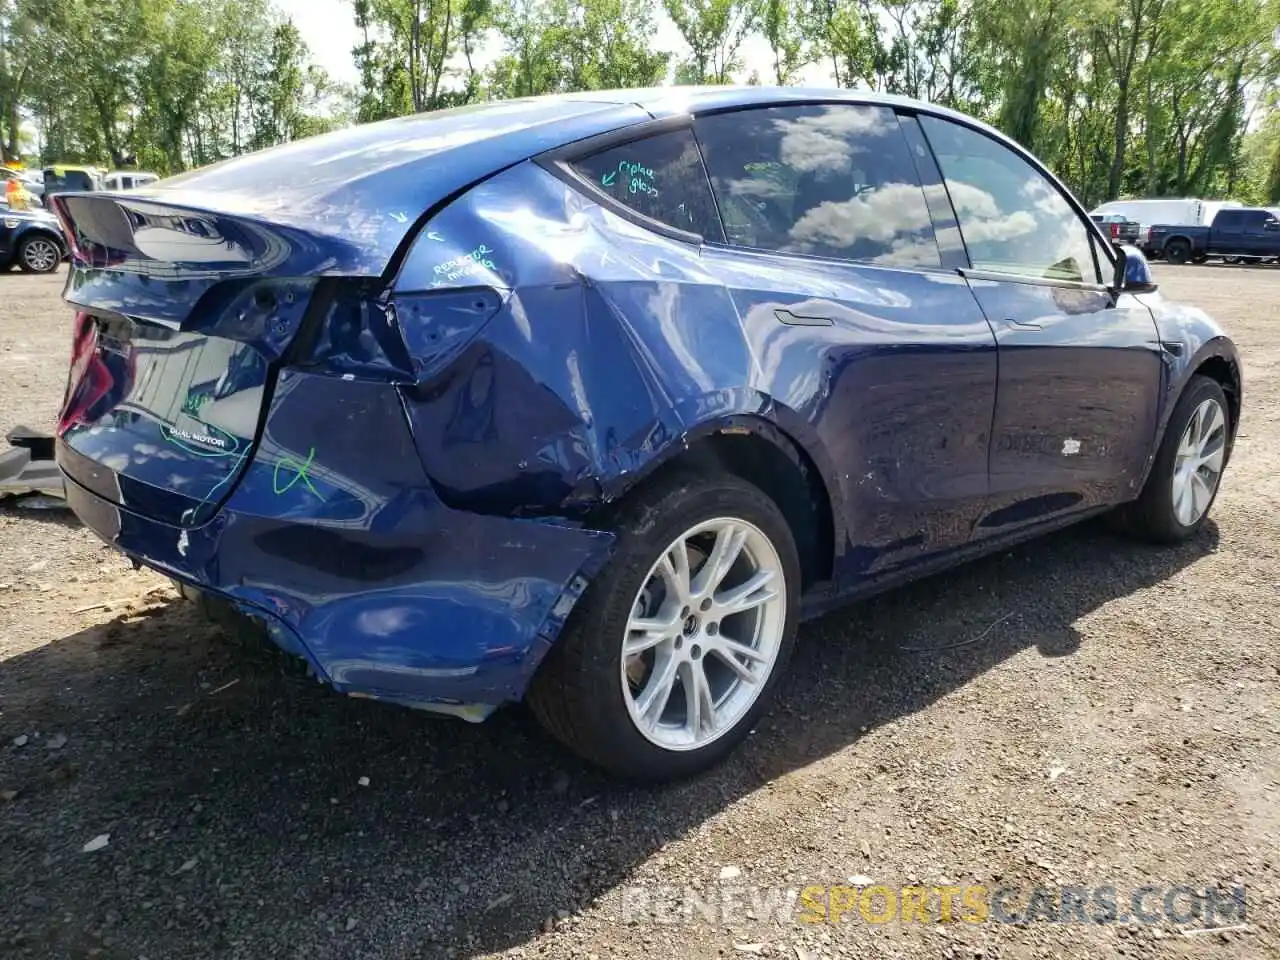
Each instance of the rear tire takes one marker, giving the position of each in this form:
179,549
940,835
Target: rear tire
1177,251
1187,472
663,710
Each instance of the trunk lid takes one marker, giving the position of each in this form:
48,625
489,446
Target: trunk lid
181,317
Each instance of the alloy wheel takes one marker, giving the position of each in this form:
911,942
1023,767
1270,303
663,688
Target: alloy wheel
40,256
1197,467
704,634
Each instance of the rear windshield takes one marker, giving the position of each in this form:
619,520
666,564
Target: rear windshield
67,180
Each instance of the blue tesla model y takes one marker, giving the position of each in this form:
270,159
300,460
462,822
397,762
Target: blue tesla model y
588,400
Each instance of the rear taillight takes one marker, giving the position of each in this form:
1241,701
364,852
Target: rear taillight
83,382
1115,231
68,229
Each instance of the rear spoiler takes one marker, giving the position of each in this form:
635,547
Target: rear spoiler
179,243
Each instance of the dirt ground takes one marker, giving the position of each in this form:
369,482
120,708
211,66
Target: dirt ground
1114,723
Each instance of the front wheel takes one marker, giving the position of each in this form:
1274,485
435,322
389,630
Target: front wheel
673,652
1187,471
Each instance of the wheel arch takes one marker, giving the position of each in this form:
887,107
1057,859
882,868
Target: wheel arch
1225,371
1217,360
38,231
758,450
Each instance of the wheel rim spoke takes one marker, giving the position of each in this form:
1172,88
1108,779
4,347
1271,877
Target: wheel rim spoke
644,634
1200,494
1211,421
657,692
700,709
1180,498
1197,423
1187,447
729,543
730,652
734,648
747,596
1213,460
675,570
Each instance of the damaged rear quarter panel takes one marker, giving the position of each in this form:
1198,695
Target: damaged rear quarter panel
612,348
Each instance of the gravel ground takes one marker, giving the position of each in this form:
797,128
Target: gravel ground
1117,725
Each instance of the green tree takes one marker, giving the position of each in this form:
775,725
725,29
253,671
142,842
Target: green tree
417,55
782,24
714,31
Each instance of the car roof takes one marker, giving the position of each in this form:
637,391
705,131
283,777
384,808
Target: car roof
366,185
697,99
487,135
676,100
664,102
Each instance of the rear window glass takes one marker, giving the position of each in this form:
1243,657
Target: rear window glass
659,177
67,180
834,180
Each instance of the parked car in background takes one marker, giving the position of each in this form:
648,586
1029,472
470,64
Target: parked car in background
589,399
1187,210
65,179
1249,233
1118,227
31,239
128,179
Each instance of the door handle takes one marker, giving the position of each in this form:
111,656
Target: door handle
799,320
1023,324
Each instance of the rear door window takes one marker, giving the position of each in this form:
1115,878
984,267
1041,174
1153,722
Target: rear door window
68,180
828,180
659,177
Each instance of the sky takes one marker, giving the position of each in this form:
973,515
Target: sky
328,28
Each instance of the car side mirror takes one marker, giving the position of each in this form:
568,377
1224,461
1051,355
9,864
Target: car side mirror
1133,273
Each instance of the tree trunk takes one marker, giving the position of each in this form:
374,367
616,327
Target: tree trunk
1121,136
415,30
437,68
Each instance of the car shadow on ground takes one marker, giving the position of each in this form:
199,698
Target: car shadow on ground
239,821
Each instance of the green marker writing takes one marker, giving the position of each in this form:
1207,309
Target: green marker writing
300,473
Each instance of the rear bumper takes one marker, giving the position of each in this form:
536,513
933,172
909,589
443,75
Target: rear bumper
432,607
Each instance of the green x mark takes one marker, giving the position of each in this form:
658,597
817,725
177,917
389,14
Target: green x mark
299,473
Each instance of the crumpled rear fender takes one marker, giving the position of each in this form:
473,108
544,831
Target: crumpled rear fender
613,350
